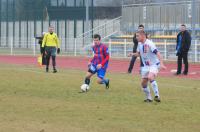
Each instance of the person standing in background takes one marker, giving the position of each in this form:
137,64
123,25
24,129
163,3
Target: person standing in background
50,44
40,39
135,41
182,48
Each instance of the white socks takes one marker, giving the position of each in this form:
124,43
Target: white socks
155,88
147,93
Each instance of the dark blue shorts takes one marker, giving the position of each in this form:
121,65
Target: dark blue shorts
51,51
100,72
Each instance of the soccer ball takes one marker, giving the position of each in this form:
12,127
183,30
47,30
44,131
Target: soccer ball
85,87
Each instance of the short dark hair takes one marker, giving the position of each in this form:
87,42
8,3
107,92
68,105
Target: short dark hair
97,36
141,32
51,26
142,26
183,25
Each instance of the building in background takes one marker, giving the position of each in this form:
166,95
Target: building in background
22,20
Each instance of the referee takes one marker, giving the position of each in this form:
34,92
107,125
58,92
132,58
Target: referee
51,44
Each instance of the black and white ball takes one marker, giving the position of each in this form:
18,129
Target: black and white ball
85,87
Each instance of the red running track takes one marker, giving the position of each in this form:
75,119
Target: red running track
115,65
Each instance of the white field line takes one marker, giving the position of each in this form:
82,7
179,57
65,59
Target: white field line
35,70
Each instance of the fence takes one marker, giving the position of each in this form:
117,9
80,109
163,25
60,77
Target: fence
122,47
166,16
70,46
119,48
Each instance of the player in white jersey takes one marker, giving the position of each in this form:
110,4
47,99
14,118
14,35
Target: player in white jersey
151,63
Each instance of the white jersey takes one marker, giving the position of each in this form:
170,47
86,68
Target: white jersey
148,53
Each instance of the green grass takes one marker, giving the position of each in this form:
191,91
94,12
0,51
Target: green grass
34,101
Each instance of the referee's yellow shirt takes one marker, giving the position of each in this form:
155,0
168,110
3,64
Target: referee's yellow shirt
50,40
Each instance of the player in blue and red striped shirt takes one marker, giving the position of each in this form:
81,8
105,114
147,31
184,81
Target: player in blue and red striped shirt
99,63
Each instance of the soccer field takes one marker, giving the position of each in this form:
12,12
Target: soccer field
34,101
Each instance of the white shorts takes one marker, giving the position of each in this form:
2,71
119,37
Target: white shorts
144,71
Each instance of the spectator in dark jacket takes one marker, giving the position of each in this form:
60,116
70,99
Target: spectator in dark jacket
40,43
135,41
40,39
182,48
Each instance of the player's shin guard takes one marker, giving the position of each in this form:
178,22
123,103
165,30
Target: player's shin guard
155,88
147,92
87,81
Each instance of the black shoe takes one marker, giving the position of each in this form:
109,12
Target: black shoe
148,100
185,73
157,99
47,69
108,84
177,73
129,72
54,71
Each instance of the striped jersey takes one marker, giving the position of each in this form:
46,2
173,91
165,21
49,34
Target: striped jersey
101,55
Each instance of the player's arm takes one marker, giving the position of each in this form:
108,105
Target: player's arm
44,41
106,52
155,51
136,54
106,59
58,44
91,59
160,59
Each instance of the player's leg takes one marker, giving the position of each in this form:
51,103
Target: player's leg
131,65
179,67
101,80
53,54
91,71
146,90
144,71
47,52
151,77
185,60
87,77
44,61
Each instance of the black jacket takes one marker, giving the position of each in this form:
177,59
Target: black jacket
40,43
40,40
135,41
185,41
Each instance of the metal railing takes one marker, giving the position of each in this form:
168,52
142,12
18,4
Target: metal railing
118,48
105,30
